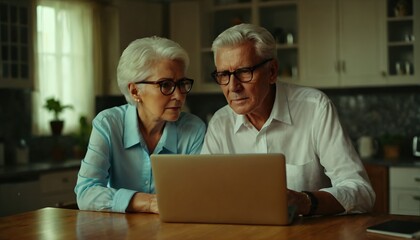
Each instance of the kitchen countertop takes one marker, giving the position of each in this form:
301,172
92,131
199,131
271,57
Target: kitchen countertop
400,162
31,171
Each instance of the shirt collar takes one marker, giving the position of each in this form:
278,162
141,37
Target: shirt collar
169,139
279,112
131,126
281,108
168,142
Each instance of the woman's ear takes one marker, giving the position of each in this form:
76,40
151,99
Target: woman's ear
134,92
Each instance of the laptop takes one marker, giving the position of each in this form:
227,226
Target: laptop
222,188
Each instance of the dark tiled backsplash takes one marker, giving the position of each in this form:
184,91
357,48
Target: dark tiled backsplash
373,111
368,111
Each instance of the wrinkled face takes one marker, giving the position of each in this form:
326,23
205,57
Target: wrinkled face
246,98
152,104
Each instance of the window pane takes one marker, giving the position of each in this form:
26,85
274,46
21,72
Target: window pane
14,33
23,54
14,53
14,70
23,15
23,35
4,14
4,53
13,14
5,70
4,32
24,71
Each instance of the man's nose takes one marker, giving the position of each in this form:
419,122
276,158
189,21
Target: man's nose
234,83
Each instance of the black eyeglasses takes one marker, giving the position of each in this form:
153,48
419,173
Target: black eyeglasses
167,86
242,74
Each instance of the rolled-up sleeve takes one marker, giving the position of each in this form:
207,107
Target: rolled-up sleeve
350,183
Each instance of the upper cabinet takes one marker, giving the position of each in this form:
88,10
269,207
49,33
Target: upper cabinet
16,44
281,19
402,47
342,43
320,43
207,19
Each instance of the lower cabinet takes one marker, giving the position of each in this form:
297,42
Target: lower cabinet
52,189
19,197
57,188
397,189
404,189
378,175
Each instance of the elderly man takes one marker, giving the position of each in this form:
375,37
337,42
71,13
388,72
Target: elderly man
324,173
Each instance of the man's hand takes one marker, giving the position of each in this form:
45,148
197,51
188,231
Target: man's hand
300,200
326,203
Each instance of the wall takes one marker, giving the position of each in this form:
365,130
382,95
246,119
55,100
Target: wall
124,21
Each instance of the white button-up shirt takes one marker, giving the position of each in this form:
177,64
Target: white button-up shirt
304,126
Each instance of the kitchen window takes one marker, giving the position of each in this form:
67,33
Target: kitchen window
64,60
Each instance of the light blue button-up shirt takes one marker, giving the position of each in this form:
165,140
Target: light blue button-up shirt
117,162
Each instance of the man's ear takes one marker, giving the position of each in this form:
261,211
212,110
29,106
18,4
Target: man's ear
274,69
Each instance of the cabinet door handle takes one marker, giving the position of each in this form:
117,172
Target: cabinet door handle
417,198
417,179
343,66
384,74
337,66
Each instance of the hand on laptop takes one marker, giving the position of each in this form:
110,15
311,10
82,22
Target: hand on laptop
314,203
300,200
143,202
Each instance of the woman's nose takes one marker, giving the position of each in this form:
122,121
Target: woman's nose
177,93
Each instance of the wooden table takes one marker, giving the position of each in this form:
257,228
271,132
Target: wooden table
56,223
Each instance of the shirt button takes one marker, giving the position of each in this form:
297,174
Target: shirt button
147,182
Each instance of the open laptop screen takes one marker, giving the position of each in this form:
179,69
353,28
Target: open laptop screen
224,188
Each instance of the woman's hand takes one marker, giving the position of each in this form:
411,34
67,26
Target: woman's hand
143,202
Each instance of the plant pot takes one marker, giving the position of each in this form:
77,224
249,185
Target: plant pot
56,127
79,152
391,151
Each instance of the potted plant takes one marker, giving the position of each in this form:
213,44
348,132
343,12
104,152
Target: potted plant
54,105
82,137
391,145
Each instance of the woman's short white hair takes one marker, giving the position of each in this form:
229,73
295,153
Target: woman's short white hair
141,55
264,42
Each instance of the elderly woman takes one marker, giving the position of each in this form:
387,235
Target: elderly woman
116,174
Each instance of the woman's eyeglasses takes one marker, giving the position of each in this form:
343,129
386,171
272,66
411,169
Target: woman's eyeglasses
167,86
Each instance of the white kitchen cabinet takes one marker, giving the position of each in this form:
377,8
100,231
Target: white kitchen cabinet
57,188
205,20
404,190
342,43
19,197
185,29
51,189
403,32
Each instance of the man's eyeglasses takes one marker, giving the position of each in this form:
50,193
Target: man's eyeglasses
167,86
242,74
